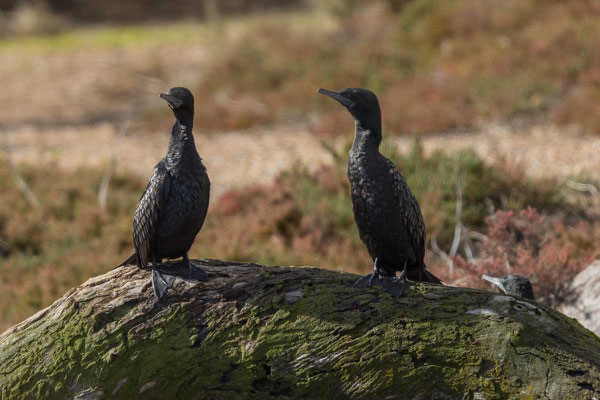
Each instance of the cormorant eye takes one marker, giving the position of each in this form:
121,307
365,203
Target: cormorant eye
502,281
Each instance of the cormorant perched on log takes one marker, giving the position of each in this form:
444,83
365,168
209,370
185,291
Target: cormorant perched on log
387,214
172,209
512,284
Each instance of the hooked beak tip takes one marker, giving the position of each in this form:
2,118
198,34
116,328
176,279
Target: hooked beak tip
173,101
494,281
336,96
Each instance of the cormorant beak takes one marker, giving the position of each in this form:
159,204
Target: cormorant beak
335,95
494,281
174,102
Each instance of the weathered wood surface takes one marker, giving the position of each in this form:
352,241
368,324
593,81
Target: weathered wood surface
256,332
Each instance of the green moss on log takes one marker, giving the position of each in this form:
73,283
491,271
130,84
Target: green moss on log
255,332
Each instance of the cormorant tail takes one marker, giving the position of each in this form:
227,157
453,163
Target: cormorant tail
431,277
422,275
131,260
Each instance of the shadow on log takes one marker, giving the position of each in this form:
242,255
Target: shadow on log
256,332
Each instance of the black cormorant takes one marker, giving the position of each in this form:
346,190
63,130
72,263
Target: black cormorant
512,284
172,209
387,214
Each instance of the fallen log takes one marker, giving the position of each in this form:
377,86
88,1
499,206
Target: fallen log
255,332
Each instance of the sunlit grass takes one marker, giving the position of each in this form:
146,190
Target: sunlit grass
179,33
106,37
435,66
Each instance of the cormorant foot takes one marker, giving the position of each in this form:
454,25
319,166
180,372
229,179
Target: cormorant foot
372,278
197,273
367,280
164,275
394,286
185,269
160,283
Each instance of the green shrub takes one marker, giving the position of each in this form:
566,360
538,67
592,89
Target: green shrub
303,218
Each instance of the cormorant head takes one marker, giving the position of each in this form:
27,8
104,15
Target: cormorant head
181,102
362,104
512,284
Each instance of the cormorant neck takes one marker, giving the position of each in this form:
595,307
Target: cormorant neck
366,138
182,131
181,145
184,119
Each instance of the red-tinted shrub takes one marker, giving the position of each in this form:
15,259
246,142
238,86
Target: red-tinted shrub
526,243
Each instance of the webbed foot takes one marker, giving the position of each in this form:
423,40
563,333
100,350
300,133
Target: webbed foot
369,279
394,286
391,284
164,276
160,283
184,269
196,272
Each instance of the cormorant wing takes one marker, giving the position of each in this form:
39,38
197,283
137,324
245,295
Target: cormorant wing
147,213
411,217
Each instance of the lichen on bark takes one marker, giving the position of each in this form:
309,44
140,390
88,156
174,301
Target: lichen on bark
254,332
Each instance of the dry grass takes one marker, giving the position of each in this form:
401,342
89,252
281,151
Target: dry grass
302,218
436,65
65,241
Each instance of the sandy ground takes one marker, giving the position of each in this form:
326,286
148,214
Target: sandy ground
88,85
543,151
235,159
232,159
63,106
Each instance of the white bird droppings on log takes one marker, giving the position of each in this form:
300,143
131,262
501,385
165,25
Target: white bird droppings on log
294,296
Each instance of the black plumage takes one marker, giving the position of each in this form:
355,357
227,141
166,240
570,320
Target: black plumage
173,207
387,214
512,284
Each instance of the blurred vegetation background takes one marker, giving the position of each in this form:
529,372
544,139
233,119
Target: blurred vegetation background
489,108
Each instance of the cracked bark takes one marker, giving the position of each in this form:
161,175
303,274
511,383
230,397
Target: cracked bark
254,332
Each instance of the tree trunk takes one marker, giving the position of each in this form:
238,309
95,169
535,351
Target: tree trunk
256,332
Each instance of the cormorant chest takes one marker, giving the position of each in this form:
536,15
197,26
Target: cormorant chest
187,194
379,210
184,213
372,184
